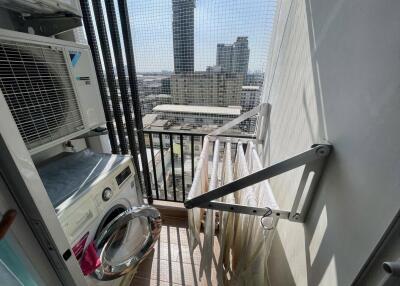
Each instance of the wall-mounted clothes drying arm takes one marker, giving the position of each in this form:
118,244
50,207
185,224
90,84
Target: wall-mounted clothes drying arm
313,159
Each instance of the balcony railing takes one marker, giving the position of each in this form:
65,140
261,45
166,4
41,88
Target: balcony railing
172,156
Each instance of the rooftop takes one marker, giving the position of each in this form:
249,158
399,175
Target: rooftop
250,87
160,123
148,119
233,110
159,95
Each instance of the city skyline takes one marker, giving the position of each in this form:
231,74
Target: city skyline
214,23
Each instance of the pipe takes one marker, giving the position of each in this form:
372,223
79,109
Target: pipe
130,59
92,41
112,84
123,86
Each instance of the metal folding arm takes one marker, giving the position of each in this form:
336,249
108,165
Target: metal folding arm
314,161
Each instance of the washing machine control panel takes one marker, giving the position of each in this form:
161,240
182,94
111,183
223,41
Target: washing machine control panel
83,215
122,176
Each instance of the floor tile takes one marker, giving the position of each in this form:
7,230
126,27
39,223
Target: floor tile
172,263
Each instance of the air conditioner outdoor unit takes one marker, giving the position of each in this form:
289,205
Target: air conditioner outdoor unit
50,87
43,6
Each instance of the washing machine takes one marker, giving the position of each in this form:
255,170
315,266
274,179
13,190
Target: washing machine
101,210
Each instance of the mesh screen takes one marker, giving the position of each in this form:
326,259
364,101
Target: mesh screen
203,53
37,87
199,65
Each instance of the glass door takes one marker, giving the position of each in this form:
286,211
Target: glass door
21,260
15,267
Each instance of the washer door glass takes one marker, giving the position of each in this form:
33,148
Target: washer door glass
126,240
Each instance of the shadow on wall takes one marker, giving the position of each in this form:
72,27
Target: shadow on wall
325,240
319,234
354,68
319,231
355,63
278,267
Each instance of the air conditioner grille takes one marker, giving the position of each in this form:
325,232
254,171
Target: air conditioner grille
37,87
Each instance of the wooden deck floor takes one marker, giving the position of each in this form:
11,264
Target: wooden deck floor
171,262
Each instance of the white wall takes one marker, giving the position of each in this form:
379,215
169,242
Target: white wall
334,75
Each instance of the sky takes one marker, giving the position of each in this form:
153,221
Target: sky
216,21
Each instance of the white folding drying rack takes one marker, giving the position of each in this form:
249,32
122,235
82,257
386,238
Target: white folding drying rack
314,160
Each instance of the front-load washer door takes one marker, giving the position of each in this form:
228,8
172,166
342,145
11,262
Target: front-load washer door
126,240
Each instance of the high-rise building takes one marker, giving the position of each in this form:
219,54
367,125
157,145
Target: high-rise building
256,78
166,85
241,53
224,57
250,98
207,88
183,35
234,57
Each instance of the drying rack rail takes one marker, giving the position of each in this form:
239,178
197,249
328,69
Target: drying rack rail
313,161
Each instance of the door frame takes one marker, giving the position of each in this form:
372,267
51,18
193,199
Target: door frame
22,236
23,181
